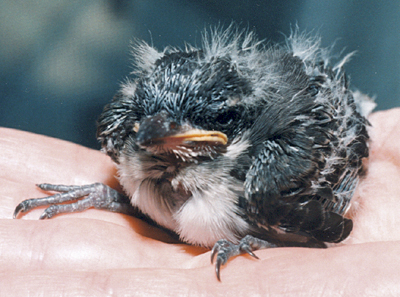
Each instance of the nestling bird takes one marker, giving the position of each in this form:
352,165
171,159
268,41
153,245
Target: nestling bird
235,146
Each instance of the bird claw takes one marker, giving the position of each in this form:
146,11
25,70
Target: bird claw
223,250
22,207
98,195
25,206
49,212
245,248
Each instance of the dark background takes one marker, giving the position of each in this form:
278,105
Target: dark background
62,61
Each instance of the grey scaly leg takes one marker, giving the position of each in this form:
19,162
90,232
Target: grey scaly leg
96,195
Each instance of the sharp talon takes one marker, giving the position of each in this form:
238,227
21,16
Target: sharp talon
44,216
49,212
217,268
44,187
20,208
252,254
249,251
222,250
214,251
40,186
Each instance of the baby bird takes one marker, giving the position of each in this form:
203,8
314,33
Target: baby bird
235,146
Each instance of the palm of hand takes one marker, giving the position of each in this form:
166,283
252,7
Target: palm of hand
97,252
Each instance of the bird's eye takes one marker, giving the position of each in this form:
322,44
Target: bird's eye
173,125
227,118
313,89
315,84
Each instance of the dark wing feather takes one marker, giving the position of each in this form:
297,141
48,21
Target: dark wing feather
307,156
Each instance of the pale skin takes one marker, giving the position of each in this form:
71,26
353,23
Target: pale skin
98,253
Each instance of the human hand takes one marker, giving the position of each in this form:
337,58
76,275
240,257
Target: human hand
98,253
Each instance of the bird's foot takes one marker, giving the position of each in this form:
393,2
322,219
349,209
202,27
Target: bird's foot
95,195
224,250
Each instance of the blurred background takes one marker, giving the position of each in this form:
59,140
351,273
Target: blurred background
62,61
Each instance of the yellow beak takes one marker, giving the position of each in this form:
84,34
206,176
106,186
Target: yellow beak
197,135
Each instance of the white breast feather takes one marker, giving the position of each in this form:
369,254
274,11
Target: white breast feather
210,214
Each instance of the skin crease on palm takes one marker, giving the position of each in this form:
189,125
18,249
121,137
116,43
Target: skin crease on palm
98,253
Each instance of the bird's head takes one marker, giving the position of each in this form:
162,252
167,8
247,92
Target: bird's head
188,105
